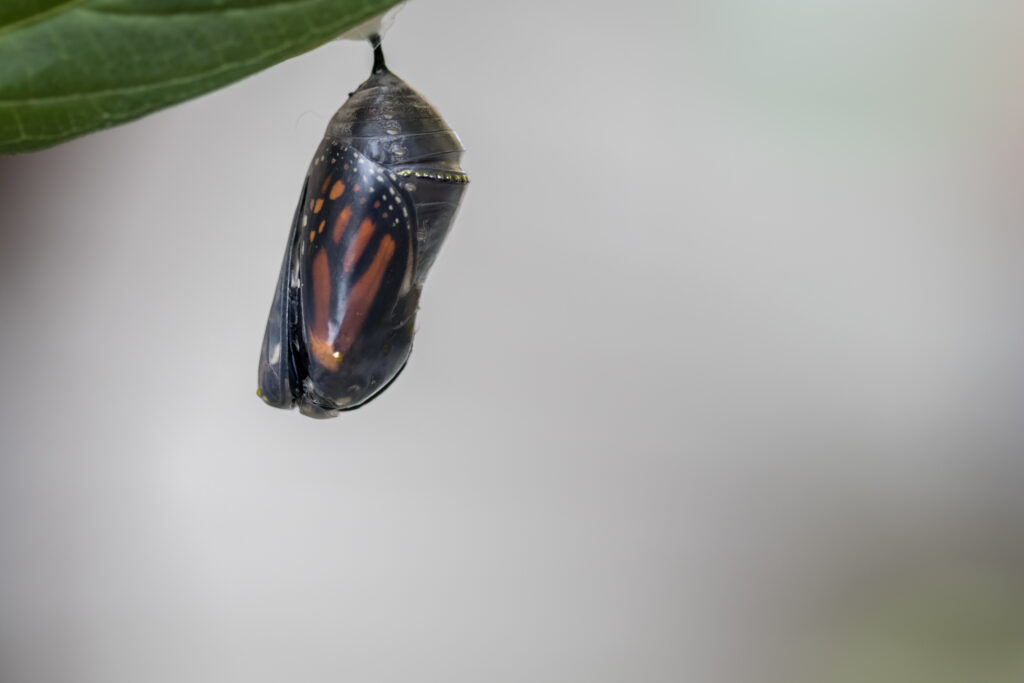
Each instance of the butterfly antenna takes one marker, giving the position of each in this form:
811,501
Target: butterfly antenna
378,54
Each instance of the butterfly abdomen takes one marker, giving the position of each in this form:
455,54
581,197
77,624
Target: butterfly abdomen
394,125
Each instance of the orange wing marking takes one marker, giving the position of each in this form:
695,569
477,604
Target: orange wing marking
341,223
362,295
358,245
316,333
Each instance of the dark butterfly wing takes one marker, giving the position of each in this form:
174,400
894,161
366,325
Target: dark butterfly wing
277,381
355,267
341,325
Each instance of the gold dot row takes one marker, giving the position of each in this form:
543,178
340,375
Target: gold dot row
443,177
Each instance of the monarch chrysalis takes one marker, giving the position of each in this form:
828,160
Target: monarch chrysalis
376,204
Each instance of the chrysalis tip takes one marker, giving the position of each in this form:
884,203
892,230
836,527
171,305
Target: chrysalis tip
378,54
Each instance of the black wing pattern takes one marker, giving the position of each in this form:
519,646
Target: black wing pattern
345,306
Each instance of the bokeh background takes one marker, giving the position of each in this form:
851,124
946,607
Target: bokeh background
719,377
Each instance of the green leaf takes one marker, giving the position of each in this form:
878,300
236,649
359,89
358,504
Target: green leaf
70,67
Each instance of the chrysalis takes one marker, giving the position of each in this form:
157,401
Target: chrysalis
376,205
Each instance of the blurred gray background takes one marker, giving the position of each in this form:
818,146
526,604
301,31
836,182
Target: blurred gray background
719,376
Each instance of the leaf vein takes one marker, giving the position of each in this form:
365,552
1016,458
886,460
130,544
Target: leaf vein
133,12
39,16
